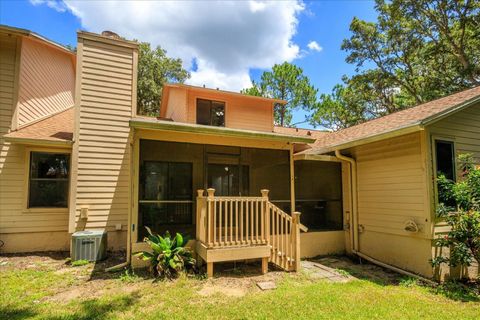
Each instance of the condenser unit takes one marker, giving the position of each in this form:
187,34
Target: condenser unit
89,245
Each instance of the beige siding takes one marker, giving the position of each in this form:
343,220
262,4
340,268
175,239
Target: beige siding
47,81
21,229
177,105
240,112
392,189
104,103
11,157
463,128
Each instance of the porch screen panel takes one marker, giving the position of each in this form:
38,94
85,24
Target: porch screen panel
165,197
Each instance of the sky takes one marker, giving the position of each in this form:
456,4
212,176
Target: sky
224,45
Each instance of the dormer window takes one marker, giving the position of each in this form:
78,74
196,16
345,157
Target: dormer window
211,113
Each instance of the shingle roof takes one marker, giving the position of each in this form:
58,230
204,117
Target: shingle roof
315,134
56,128
408,118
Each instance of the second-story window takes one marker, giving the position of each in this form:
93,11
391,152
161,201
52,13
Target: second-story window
211,113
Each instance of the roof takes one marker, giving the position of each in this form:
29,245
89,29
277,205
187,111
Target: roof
156,124
29,33
54,130
315,134
401,122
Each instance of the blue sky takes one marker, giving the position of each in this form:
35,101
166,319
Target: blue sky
325,22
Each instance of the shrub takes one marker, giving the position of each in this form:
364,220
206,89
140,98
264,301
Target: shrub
169,256
463,239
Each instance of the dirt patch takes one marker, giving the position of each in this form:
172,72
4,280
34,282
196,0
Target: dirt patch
238,279
346,267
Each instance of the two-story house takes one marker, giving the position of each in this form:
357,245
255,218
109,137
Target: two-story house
212,166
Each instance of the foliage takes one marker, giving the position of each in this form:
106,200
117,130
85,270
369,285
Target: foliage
79,263
154,70
463,239
286,82
416,51
169,256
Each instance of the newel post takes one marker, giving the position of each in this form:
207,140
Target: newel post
210,217
296,238
200,215
265,215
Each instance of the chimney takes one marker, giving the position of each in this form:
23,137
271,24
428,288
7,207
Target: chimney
111,34
105,101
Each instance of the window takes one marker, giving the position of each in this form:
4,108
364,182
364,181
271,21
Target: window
48,180
445,158
211,113
165,197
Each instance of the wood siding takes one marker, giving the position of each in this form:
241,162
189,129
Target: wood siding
47,81
21,229
11,156
240,112
463,128
392,188
106,82
177,105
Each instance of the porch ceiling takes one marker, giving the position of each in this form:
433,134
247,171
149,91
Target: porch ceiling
155,124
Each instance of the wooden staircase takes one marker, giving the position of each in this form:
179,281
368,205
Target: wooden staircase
238,228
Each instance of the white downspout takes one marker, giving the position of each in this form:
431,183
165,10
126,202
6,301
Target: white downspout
354,226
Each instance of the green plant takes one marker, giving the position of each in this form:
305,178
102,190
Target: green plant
129,276
463,239
78,263
169,256
408,282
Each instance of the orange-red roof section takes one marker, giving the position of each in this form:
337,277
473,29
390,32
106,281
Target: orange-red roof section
56,128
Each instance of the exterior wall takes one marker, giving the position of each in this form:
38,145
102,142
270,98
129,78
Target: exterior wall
177,105
392,189
240,112
21,229
314,244
47,81
463,128
104,103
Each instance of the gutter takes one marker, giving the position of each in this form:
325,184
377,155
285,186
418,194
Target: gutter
39,142
354,224
153,124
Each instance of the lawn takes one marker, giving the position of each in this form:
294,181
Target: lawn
48,288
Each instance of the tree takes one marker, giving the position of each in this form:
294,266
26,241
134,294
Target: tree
417,51
286,82
154,70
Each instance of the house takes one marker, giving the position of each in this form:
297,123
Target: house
214,166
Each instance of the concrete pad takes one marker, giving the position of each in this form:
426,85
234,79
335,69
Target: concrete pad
266,285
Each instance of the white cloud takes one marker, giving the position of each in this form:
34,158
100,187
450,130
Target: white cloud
227,39
314,46
57,5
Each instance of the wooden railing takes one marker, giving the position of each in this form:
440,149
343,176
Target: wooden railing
224,222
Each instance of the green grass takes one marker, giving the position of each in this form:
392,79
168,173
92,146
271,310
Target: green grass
26,294
79,263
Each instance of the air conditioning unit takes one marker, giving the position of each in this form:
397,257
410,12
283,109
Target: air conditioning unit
89,245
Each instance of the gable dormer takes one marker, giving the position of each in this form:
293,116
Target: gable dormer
203,106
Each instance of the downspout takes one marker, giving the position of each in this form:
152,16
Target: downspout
353,192
354,224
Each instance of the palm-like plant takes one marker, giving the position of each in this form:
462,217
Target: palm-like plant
169,256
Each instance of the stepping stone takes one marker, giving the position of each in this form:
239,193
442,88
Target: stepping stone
266,285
